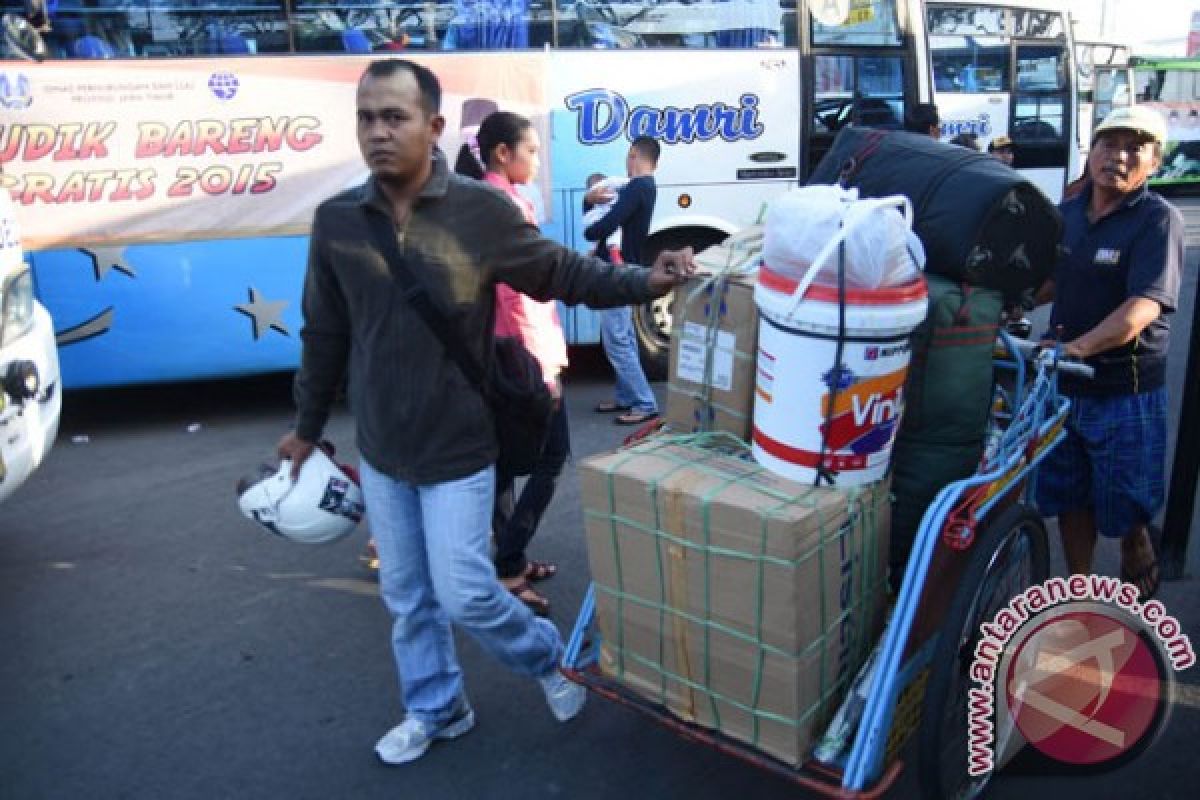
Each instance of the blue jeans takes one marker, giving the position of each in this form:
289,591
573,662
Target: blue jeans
515,523
434,569
620,345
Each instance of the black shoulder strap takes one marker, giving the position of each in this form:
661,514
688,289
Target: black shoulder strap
416,296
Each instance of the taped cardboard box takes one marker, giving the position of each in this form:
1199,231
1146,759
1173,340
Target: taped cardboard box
714,339
738,600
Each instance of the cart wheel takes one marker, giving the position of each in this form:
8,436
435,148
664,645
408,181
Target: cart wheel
1007,558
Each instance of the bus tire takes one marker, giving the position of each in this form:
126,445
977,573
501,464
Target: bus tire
653,321
942,737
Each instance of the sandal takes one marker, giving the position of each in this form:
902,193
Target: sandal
370,557
1148,578
538,604
610,408
635,417
540,571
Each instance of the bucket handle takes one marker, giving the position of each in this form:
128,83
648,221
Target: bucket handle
899,201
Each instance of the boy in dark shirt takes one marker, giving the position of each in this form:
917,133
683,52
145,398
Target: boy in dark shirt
631,214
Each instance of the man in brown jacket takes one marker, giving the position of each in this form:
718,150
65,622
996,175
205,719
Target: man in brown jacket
426,435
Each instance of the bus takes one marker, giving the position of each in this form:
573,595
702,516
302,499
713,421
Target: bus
1172,85
1007,68
166,155
1103,82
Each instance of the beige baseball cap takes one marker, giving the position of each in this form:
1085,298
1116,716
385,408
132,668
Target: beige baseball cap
1135,118
1000,141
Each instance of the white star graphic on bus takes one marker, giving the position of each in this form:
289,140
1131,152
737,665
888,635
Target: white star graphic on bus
264,313
106,258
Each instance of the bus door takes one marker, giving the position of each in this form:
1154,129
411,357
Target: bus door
971,80
1112,90
1042,114
1103,82
862,69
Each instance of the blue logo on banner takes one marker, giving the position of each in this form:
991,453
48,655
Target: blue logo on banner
224,85
16,93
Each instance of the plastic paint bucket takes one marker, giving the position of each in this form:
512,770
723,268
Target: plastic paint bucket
798,374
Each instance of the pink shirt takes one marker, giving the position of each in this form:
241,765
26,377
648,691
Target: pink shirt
535,323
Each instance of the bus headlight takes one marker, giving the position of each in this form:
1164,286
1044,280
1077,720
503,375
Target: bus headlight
16,307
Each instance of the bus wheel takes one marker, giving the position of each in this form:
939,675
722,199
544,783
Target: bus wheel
653,321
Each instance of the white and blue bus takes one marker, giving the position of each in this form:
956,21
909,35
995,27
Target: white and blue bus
165,155
1006,67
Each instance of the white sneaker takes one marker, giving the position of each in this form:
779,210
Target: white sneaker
409,740
564,697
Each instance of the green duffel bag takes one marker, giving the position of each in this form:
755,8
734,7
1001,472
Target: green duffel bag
948,392
919,471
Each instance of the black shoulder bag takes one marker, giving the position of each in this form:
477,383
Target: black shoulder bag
513,387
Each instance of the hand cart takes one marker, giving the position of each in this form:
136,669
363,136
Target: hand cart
987,544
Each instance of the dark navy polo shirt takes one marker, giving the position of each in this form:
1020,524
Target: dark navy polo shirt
1136,251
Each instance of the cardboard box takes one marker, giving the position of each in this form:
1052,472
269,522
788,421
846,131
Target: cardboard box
714,341
736,599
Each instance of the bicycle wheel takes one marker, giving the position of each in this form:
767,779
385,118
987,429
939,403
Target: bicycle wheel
1009,556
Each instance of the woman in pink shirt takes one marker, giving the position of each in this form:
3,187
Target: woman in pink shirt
508,147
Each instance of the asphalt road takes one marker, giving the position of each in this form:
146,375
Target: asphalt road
157,645
154,644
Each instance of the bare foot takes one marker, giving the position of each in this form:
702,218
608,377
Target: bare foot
1139,564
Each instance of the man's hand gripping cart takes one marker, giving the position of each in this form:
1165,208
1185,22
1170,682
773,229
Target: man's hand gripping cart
986,544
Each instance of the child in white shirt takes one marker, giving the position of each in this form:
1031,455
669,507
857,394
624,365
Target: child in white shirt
595,213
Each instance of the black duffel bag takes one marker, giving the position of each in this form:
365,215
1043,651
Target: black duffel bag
981,222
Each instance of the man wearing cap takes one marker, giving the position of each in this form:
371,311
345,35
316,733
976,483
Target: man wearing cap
1002,148
1113,288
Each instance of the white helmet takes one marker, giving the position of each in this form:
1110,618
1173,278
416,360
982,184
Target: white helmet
323,505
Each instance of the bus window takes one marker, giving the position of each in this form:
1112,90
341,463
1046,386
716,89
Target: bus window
859,90
1111,91
1041,68
488,25
1041,106
1037,118
867,23
864,90
969,64
169,28
362,26
1037,24
966,21
725,24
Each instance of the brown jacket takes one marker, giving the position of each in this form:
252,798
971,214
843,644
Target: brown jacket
418,418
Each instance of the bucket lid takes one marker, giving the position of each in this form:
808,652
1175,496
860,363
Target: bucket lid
887,296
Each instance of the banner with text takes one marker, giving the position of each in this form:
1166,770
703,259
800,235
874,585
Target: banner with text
131,152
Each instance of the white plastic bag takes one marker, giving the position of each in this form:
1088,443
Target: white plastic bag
881,249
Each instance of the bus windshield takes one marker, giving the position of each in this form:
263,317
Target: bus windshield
166,155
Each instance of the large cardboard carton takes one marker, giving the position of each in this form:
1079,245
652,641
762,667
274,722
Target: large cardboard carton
714,340
739,600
